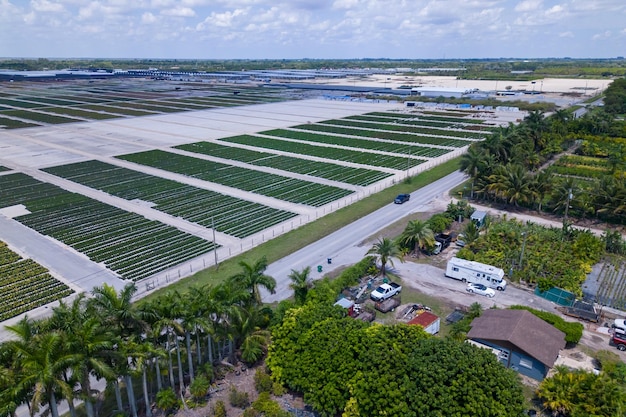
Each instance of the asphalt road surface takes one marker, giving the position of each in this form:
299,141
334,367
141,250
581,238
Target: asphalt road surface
344,247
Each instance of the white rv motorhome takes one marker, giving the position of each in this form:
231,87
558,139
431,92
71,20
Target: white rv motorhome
471,271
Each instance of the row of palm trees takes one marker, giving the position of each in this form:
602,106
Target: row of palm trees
165,343
507,168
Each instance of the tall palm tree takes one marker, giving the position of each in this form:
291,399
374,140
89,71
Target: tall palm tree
118,310
512,184
385,250
91,343
417,234
252,278
41,362
125,319
472,164
541,185
300,284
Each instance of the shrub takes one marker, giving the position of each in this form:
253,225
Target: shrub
573,330
268,407
237,398
166,400
262,381
220,409
278,389
199,387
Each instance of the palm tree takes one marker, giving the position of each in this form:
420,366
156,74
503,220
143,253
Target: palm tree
252,277
118,311
91,344
541,185
300,284
41,362
472,164
417,234
385,250
511,183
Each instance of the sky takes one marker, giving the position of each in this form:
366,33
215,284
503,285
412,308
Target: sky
317,29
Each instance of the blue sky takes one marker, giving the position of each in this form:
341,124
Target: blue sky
271,29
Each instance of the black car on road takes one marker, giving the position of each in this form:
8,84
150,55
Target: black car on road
402,198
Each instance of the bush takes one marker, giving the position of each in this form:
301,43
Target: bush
278,389
262,381
199,387
166,400
573,330
237,398
268,407
220,409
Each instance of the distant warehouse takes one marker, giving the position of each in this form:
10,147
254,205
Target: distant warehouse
442,91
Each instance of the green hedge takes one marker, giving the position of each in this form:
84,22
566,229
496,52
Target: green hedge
573,330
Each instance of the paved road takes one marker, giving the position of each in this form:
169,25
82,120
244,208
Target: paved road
345,246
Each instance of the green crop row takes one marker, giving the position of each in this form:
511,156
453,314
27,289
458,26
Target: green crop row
398,120
348,155
230,215
111,108
104,233
85,114
25,285
363,143
39,117
14,124
400,129
335,172
271,185
379,134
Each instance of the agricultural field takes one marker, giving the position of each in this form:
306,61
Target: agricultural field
76,102
348,155
271,185
414,149
239,218
335,172
25,285
374,130
581,166
127,243
612,279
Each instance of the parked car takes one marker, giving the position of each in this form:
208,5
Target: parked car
402,198
460,240
619,340
480,289
385,291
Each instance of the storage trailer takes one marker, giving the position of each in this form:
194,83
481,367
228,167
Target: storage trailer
476,272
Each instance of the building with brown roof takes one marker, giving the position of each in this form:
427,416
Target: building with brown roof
522,341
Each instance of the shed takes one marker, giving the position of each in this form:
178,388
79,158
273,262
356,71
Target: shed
347,304
479,218
524,342
428,321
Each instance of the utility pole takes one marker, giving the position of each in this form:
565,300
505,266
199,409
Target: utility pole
521,255
214,242
569,198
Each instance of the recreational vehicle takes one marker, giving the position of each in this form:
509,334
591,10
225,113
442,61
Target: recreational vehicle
471,271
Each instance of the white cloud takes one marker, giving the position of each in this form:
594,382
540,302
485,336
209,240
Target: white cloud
148,18
46,6
179,12
567,34
601,36
222,20
528,5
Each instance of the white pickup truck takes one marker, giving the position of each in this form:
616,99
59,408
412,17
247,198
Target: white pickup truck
385,291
